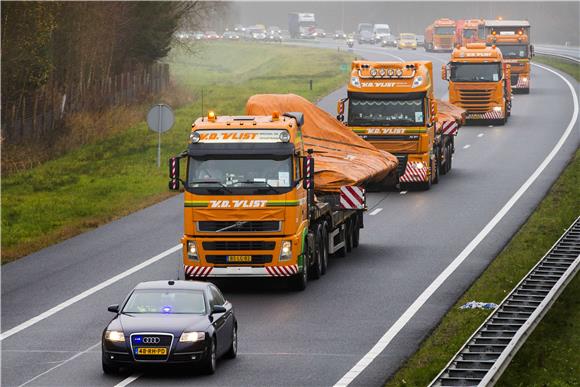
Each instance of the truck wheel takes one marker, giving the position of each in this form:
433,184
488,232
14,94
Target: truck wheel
300,280
317,267
324,243
435,170
348,236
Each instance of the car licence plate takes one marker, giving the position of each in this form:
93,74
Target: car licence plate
152,351
239,258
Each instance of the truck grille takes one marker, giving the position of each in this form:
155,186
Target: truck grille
446,42
223,260
239,245
250,226
476,101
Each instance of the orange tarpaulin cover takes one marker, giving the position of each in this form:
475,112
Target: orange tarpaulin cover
340,156
449,112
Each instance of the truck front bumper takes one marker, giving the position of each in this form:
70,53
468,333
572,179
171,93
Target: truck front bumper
491,115
240,271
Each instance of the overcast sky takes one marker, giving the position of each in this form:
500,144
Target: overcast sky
552,22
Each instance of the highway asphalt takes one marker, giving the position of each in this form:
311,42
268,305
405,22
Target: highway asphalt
312,337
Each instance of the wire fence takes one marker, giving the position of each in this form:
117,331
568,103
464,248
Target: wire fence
36,116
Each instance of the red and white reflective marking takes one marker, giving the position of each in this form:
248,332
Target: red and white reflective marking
449,128
197,271
492,115
415,172
523,83
352,198
282,271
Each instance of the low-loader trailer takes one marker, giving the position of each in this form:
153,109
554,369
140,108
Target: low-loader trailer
249,203
479,82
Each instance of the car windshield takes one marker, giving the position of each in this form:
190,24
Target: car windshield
514,50
160,301
445,30
386,112
408,36
365,27
475,72
240,172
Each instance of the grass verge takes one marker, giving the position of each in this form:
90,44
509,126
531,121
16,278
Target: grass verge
564,65
118,175
550,356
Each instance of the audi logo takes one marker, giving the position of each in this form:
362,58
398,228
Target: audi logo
151,340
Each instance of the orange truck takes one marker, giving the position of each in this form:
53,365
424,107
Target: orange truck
249,203
470,31
479,82
392,106
512,37
440,36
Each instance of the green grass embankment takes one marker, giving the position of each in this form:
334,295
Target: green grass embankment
118,175
566,66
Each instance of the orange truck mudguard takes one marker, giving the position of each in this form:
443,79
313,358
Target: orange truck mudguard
250,208
392,106
479,82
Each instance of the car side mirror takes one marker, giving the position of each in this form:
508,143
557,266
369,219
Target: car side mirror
218,309
113,308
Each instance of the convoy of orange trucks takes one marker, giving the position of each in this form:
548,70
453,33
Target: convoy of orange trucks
512,37
440,36
479,82
250,208
392,106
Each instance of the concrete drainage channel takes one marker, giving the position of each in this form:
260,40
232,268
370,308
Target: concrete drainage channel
487,353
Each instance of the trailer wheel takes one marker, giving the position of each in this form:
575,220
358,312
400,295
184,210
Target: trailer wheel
324,247
356,233
317,267
349,235
446,167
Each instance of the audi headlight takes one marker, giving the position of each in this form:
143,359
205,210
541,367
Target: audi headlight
191,337
115,336
192,250
497,108
286,251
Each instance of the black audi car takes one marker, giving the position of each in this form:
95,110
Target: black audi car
170,322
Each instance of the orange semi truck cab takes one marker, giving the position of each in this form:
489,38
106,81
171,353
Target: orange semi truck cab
512,37
392,106
249,204
479,82
440,36
470,31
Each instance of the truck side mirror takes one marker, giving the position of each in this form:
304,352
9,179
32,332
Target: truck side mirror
308,172
174,173
444,72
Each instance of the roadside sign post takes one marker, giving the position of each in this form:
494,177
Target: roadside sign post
160,119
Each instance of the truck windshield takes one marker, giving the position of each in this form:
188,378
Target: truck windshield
365,27
445,30
475,72
240,172
381,31
468,33
514,50
386,112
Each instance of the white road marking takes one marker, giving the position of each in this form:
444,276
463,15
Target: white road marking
490,126
128,381
386,339
480,135
466,146
376,211
87,293
61,364
403,193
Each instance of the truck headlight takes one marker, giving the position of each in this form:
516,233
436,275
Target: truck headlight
355,81
419,165
497,108
192,250
286,251
191,337
115,336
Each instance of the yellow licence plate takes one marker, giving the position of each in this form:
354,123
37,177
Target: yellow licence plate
151,351
239,258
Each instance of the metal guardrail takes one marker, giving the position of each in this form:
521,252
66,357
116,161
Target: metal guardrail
483,358
560,56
